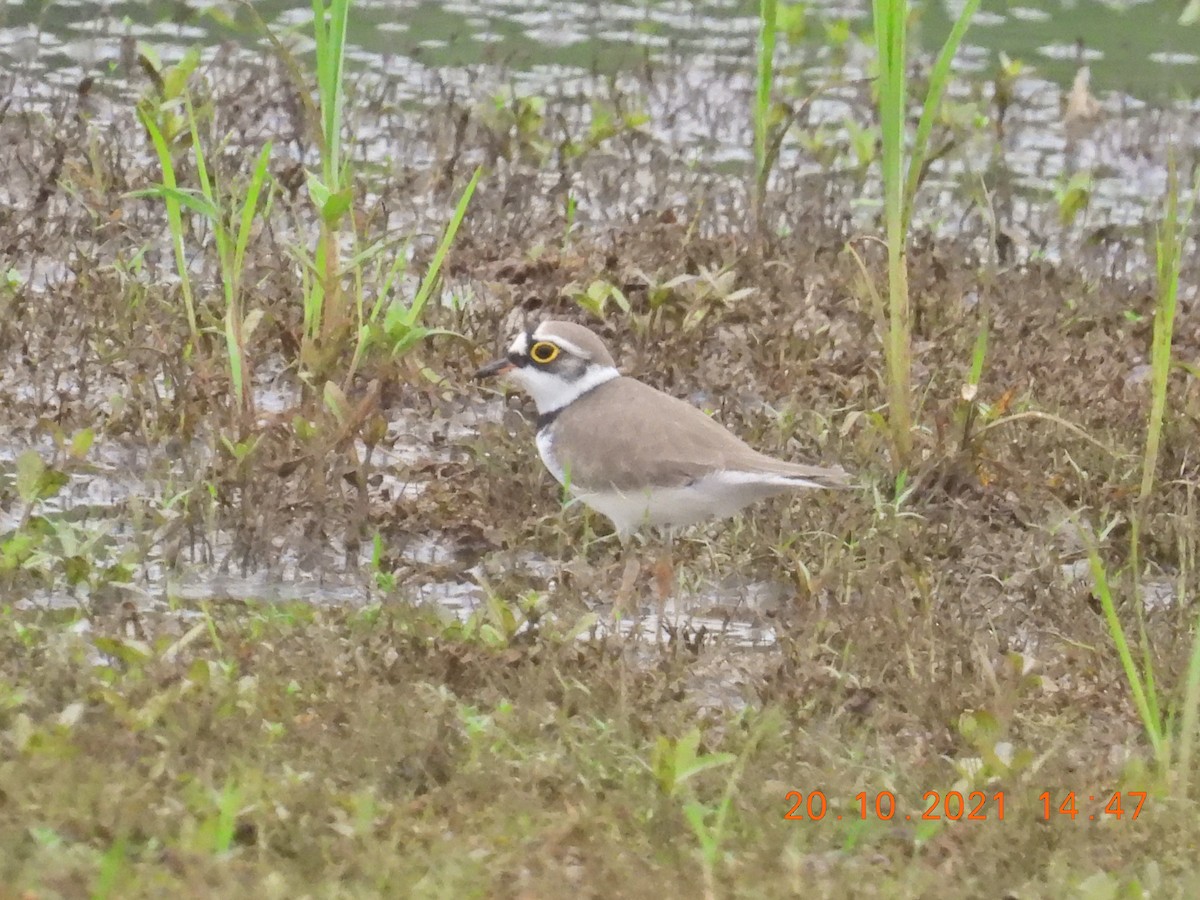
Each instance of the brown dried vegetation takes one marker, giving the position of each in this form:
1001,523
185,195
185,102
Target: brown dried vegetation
227,747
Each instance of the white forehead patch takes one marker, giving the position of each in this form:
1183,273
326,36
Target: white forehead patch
520,344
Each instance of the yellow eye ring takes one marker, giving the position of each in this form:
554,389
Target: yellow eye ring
543,352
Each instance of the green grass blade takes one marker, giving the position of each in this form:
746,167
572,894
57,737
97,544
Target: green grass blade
208,190
1151,724
321,36
367,254
249,207
890,35
1149,684
1190,716
978,356
237,369
206,184
413,314
1168,261
397,268
939,78
767,25
174,218
184,197
329,26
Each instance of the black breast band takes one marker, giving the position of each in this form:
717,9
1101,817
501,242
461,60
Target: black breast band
546,419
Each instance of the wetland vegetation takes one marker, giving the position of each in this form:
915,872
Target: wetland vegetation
288,607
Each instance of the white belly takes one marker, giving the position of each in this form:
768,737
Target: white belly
719,495
676,506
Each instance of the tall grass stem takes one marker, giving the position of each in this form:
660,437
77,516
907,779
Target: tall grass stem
899,190
768,15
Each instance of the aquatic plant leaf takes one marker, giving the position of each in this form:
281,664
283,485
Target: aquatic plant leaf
77,569
35,480
1074,198
337,205
791,19
694,765
662,764
118,573
332,205
81,443
133,653
29,470
175,78
335,402
674,762
317,191
17,549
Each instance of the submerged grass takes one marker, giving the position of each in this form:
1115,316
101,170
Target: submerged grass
332,192
161,122
230,220
334,319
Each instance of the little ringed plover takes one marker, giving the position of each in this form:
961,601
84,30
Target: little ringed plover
629,451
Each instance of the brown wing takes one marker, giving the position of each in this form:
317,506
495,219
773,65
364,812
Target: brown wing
649,437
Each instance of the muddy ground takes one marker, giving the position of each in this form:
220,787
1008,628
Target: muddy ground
361,735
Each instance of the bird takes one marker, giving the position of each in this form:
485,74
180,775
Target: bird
633,453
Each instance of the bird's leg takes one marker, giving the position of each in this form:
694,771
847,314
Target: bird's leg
664,577
622,606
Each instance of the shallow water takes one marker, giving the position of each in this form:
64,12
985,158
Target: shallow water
1134,48
408,57
689,66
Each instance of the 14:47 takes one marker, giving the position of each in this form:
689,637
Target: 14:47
1114,806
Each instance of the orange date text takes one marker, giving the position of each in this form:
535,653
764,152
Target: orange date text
972,806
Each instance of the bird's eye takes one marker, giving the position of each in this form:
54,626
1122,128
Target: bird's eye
543,352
